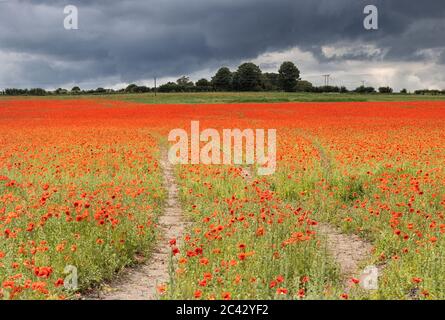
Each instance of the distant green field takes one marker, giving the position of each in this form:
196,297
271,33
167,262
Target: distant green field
241,97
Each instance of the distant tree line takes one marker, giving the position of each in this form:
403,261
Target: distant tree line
247,77
430,92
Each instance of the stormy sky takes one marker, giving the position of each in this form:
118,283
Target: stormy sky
124,41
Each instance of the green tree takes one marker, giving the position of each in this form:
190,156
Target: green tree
60,91
75,89
37,92
184,82
203,83
385,90
363,89
131,88
235,81
15,91
288,76
185,85
222,81
249,77
170,87
270,81
304,86
141,89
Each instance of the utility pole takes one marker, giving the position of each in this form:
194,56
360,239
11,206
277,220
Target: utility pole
155,87
326,79
363,83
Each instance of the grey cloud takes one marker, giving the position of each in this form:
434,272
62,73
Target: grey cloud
138,39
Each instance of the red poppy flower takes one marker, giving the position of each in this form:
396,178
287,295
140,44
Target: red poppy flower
226,296
282,291
242,256
416,280
301,293
59,282
43,272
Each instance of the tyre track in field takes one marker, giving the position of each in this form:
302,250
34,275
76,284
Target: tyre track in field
349,251
142,281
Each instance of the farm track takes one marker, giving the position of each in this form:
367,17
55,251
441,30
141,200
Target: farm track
142,281
348,251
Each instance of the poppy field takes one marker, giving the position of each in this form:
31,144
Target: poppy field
81,185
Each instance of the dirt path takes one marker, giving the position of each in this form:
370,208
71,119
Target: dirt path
142,281
349,251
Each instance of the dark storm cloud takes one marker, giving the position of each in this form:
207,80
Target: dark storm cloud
138,39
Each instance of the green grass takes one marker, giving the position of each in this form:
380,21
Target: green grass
241,97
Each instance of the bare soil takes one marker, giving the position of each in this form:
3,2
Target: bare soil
349,251
142,282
